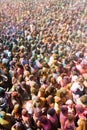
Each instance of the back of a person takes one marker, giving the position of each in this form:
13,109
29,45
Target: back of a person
62,120
70,126
82,124
52,116
47,126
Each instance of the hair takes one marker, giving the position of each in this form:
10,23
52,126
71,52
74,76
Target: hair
70,117
24,112
19,126
50,99
43,119
79,108
51,111
64,109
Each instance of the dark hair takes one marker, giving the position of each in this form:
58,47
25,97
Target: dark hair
43,120
64,109
51,111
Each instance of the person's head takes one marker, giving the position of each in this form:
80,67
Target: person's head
51,111
37,113
16,108
37,102
18,126
50,99
57,99
69,102
79,109
24,112
83,100
41,92
71,117
43,119
50,90
19,65
33,91
64,109
26,67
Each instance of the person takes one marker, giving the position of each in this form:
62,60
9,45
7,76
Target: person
28,120
46,46
6,120
18,126
69,124
16,112
52,116
44,123
82,123
71,106
63,116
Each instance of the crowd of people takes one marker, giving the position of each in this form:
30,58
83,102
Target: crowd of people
43,65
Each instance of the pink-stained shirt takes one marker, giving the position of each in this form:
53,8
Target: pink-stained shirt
69,125
63,119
